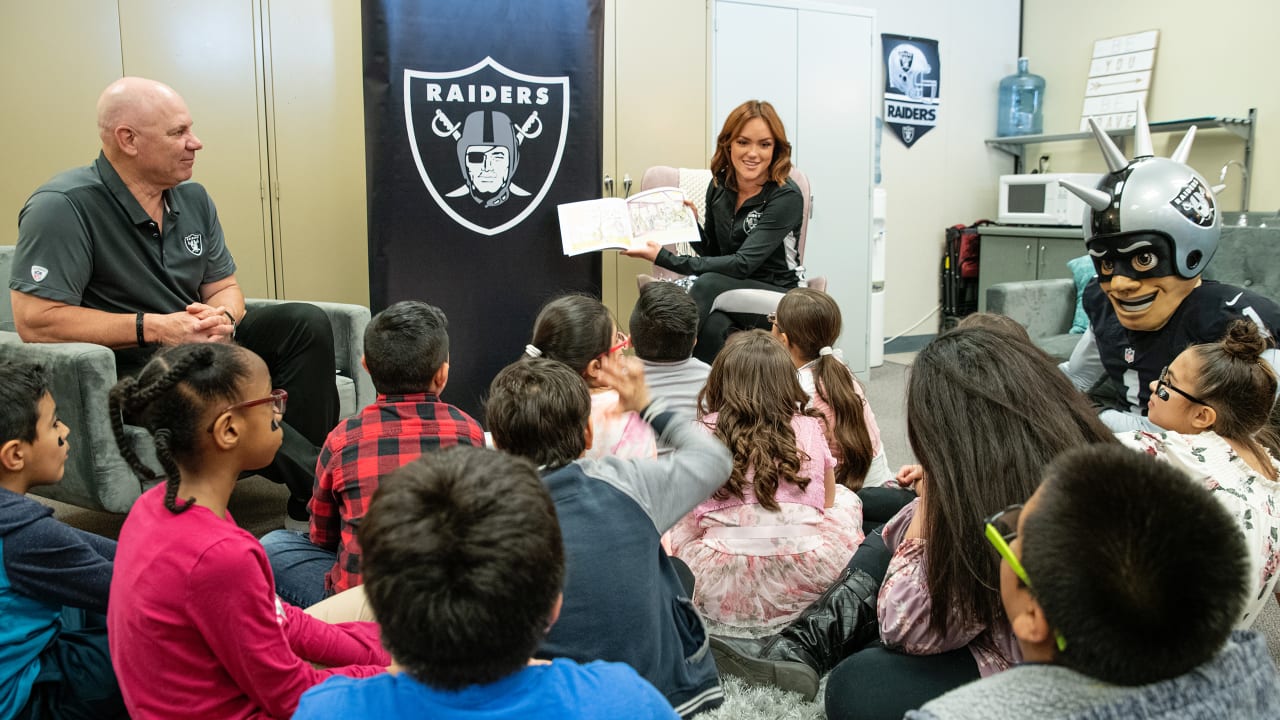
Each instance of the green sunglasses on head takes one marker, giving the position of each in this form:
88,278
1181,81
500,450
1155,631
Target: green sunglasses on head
1001,529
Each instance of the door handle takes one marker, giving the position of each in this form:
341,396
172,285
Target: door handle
608,185
626,185
1028,260
1042,249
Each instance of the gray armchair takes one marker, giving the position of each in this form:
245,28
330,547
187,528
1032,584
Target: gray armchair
96,476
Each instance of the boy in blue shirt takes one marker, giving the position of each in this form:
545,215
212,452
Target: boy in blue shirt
463,565
54,579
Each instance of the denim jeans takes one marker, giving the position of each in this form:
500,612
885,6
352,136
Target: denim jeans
299,566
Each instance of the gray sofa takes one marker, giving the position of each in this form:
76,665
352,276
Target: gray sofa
1247,256
83,373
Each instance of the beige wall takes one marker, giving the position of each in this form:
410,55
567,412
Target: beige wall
949,176
1215,59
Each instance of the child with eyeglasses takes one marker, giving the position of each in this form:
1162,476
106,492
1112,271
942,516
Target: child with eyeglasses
1121,581
194,625
580,332
1215,400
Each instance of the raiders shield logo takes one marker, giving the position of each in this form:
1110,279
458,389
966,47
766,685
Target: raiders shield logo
487,140
193,244
1195,203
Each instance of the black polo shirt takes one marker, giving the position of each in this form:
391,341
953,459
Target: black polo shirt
83,239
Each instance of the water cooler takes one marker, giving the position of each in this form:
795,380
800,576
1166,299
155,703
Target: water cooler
876,333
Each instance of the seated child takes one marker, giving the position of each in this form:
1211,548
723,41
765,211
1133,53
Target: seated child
194,624
463,567
777,534
623,601
1215,400
664,328
54,579
406,351
1121,580
808,323
578,331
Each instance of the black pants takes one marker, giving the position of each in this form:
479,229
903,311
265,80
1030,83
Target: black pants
296,342
75,681
876,683
715,327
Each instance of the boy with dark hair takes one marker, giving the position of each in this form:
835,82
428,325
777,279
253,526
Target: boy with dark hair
406,351
664,329
1122,580
54,579
623,600
463,566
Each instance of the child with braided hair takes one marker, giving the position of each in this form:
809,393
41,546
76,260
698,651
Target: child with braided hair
194,624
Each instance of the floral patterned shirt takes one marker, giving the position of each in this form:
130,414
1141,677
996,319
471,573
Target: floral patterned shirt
1248,496
904,604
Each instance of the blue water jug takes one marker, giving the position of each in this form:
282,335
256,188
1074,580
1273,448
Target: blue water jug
1021,103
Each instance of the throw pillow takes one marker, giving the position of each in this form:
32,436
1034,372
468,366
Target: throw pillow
1083,271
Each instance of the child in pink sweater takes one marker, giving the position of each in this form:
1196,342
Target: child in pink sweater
194,624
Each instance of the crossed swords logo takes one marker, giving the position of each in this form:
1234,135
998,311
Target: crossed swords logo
443,127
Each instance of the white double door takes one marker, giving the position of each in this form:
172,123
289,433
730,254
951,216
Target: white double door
816,63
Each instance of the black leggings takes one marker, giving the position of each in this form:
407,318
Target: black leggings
715,327
876,683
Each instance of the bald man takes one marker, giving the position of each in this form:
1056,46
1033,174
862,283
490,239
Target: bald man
128,254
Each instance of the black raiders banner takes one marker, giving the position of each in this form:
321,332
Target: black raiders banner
912,78
480,118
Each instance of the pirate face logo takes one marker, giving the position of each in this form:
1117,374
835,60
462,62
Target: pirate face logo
487,140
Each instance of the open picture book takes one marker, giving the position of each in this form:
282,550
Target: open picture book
616,224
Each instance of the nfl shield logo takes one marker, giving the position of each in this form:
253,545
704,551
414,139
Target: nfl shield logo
193,244
1128,355
39,273
487,140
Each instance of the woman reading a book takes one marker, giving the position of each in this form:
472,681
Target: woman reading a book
750,236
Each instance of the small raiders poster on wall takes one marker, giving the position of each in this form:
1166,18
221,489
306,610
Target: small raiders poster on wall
912,80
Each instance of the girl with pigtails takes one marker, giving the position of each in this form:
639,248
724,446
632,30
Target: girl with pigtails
194,624
808,323
1216,401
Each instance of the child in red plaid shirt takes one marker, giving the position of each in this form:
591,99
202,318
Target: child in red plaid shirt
406,351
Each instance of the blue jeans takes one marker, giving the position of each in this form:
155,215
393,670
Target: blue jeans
299,566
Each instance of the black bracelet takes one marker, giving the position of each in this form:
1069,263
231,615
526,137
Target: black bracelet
142,340
234,325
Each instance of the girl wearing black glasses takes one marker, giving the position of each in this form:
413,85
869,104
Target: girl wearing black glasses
1216,401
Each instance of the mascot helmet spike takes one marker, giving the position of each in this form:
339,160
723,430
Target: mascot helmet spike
1116,160
1095,199
1142,135
1153,195
1184,148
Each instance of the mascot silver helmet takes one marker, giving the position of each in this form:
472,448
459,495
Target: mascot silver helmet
1153,195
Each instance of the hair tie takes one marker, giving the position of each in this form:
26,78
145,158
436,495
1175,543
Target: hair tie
532,351
836,353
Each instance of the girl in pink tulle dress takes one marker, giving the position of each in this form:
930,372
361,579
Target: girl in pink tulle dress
781,530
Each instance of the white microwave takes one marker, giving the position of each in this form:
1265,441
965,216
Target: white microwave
1038,199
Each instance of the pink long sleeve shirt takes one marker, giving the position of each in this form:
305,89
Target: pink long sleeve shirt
196,630
905,602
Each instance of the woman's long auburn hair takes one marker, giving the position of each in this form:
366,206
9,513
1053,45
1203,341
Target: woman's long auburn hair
811,321
722,162
753,387
986,412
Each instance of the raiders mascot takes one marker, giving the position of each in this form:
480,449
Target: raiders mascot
1151,228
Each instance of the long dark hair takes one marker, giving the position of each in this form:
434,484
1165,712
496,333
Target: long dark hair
811,321
1241,388
985,413
753,387
574,329
170,398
